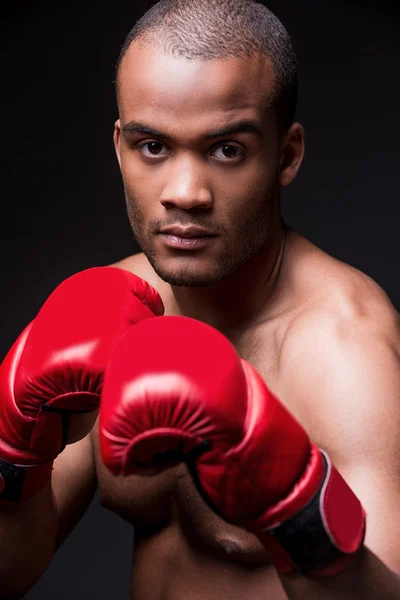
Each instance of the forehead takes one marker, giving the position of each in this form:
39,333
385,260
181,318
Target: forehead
153,86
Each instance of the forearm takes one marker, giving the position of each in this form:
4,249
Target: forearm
27,542
366,578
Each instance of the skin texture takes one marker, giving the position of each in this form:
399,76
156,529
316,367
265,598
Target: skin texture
231,190
324,337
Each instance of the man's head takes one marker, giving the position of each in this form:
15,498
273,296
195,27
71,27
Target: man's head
206,93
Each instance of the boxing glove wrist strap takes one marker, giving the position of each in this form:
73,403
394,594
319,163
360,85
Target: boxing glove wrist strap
19,482
322,536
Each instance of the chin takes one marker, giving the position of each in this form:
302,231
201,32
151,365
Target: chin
187,279
196,270
188,275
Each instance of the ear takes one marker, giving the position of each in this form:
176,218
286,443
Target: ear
292,153
117,140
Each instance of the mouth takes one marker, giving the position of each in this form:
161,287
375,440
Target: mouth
186,238
190,231
186,243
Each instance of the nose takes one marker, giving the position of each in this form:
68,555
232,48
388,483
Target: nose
186,188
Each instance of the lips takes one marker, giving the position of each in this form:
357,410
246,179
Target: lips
184,239
187,232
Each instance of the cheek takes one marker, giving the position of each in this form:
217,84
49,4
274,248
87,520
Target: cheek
140,189
251,189
132,174
258,175
135,174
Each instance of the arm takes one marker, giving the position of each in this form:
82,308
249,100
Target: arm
50,385
250,458
347,388
31,531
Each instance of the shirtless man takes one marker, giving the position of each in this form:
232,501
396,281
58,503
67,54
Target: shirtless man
205,140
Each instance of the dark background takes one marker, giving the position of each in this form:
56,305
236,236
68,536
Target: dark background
62,205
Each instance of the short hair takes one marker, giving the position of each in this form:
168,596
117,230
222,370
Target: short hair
221,29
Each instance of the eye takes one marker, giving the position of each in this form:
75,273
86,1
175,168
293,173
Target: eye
150,149
224,152
229,152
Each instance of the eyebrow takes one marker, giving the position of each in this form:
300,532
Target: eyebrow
239,127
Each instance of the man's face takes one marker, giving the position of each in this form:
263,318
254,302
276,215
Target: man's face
201,201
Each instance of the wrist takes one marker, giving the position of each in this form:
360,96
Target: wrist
19,482
323,535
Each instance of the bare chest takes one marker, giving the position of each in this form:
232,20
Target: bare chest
171,498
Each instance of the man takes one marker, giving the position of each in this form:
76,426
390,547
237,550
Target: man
206,96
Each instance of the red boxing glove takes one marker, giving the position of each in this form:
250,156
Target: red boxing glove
56,368
175,389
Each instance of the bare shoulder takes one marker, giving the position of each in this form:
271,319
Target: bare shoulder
340,300
131,263
340,363
140,266
349,305
346,310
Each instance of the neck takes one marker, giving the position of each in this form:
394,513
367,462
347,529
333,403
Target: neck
239,300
